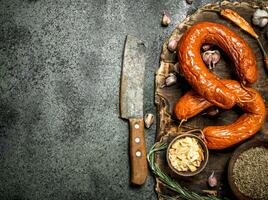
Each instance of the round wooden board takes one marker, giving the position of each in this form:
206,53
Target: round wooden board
165,98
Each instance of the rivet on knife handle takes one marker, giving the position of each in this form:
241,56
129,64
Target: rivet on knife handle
137,151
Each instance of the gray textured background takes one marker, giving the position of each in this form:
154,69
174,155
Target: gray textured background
60,64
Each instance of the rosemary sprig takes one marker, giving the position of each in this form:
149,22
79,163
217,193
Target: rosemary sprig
183,193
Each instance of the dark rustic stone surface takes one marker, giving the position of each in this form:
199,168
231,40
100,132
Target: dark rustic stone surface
60,64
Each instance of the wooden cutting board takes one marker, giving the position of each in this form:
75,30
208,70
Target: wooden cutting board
165,98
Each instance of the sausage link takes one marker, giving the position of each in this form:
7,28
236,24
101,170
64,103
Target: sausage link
189,105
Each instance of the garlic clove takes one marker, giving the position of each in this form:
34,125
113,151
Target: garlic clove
212,180
148,120
210,62
207,58
172,45
215,58
166,19
170,80
176,68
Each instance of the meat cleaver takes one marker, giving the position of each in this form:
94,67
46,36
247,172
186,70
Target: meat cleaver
131,105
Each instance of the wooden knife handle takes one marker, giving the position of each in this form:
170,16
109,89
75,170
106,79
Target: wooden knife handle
137,152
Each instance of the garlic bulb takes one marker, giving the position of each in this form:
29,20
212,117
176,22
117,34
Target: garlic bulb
260,18
148,120
211,58
166,19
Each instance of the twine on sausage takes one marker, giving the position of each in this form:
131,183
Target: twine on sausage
196,130
181,122
252,94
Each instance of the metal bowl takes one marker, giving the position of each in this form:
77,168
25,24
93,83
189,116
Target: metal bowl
203,163
236,154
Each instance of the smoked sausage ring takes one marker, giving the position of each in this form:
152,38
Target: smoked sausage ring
198,75
209,90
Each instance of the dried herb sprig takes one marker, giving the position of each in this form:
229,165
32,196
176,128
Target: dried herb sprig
168,181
